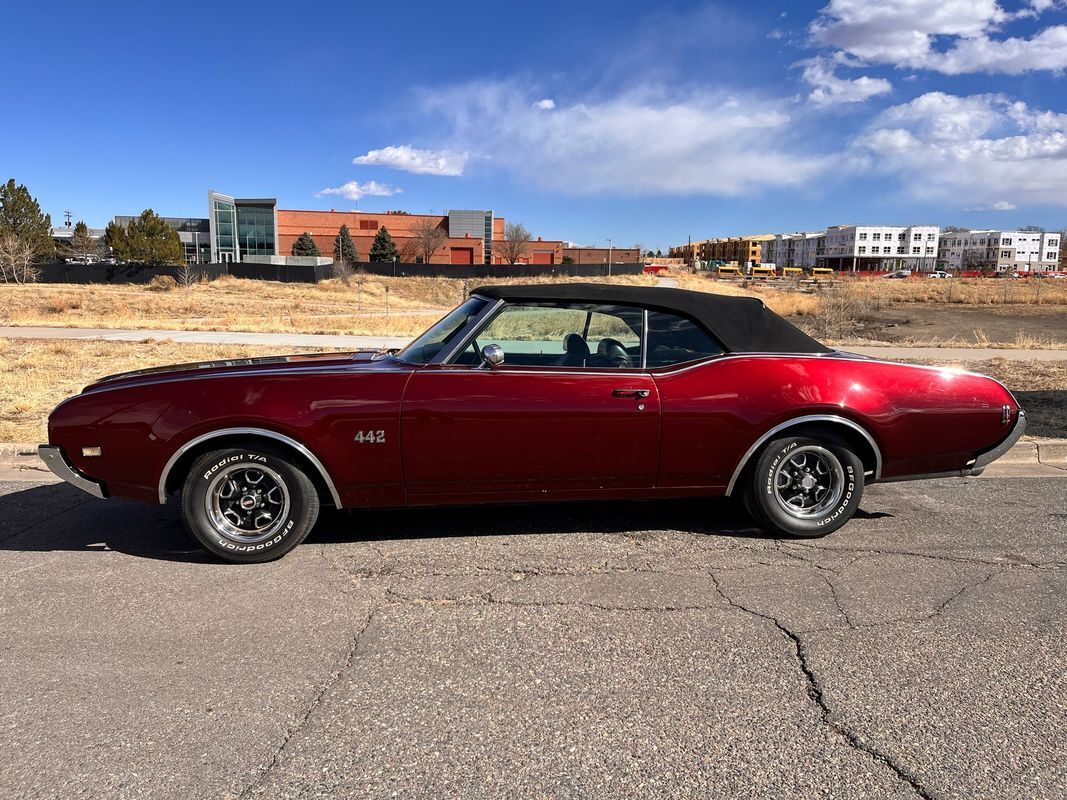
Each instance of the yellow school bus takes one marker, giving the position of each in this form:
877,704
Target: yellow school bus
792,272
822,272
760,271
727,271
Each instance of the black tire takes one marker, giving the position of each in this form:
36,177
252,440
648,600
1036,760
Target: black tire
805,487
248,504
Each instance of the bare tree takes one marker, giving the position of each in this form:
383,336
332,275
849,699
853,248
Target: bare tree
428,238
17,260
516,239
406,250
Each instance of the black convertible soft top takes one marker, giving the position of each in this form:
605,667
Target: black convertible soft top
742,324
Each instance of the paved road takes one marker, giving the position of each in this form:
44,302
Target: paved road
647,650
946,354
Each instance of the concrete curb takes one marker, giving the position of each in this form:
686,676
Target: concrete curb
15,449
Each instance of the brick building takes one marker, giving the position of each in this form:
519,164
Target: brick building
600,255
468,237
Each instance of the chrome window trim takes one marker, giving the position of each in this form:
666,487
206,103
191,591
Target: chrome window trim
278,437
790,423
475,325
644,338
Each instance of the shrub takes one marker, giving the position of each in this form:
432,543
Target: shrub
162,283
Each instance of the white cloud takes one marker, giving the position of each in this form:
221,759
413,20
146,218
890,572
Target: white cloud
411,159
1045,51
982,150
949,36
353,190
828,88
545,105
998,205
644,141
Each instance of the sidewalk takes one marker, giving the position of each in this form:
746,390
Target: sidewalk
377,342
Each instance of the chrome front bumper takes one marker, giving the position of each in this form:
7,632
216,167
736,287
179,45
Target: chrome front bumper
56,460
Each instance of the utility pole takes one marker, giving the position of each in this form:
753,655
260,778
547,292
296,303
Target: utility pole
609,258
67,215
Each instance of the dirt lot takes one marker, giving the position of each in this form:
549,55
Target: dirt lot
962,325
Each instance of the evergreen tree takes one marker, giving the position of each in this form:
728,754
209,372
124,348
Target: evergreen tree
151,241
20,215
115,239
383,248
305,246
344,249
82,244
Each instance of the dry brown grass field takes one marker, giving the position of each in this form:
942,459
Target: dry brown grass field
370,305
969,312
36,374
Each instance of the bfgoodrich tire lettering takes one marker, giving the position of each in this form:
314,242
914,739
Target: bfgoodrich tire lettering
248,504
805,487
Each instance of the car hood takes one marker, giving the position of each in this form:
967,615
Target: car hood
238,366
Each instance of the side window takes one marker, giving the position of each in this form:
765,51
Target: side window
676,340
583,335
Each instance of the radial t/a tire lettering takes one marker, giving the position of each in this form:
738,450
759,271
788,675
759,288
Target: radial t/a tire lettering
248,504
805,487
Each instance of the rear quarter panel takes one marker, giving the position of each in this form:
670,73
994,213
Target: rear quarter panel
922,419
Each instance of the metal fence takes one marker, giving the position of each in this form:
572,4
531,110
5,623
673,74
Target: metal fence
136,273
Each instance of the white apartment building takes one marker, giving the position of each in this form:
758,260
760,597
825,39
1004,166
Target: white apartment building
880,247
1000,251
792,249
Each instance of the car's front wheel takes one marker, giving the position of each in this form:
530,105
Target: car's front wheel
248,504
805,487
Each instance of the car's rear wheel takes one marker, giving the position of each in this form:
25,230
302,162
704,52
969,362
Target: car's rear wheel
805,487
248,504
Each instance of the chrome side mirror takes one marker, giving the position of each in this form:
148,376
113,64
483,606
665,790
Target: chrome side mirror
492,355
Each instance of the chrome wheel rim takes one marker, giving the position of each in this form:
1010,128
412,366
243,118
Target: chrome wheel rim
809,482
247,503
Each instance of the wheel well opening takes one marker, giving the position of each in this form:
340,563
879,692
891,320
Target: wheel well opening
847,436
178,473
841,433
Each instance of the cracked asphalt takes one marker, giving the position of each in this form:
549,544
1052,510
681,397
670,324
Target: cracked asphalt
596,650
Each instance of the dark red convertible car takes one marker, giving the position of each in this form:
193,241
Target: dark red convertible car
529,393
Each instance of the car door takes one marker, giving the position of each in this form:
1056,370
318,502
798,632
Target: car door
548,421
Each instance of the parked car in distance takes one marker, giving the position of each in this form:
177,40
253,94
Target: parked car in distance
939,273
900,273
529,394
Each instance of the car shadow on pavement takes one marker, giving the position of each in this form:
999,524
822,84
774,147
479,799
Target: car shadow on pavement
52,517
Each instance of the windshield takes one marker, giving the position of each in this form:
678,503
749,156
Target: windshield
444,332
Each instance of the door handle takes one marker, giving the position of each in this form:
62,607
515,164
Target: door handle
640,394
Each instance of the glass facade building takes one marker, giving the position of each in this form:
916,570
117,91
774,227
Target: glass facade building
193,232
242,227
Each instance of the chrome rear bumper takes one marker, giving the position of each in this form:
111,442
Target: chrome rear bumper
989,456
56,460
983,460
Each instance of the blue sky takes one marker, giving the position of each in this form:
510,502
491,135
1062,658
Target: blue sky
636,121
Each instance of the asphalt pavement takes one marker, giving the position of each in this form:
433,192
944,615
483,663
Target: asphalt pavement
615,650
946,354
